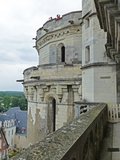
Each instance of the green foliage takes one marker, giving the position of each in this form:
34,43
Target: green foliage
11,93
12,99
13,152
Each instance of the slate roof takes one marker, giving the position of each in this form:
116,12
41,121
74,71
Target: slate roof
19,116
21,121
12,112
4,117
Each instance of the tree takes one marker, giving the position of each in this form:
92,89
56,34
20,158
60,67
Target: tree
14,102
23,103
12,99
6,101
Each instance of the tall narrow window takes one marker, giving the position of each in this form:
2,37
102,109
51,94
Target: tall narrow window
87,54
54,113
51,115
62,54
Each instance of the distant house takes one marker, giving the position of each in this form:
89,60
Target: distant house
9,126
20,119
14,123
3,145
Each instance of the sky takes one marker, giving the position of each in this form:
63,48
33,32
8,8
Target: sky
19,21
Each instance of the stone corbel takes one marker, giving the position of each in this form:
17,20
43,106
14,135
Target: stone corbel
41,94
75,88
60,98
42,98
58,90
80,90
59,93
64,89
45,89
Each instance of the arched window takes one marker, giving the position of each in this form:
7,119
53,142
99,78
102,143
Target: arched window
62,54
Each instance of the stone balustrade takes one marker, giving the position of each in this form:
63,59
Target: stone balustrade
79,140
83,107
114,113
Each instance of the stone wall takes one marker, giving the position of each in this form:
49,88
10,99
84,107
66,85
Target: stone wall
51,91
62,22
20,141
109,17
56,33
41,108
98,71
52,72
108,13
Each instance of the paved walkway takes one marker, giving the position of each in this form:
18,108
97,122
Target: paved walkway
111,144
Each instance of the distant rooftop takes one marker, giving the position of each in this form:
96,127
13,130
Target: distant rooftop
19,116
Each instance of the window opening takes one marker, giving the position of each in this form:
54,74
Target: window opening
87,54
62,54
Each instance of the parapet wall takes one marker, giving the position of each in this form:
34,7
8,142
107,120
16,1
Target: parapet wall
79,140
53,72
58,23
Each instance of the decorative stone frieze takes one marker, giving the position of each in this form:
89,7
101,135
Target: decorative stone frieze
57,35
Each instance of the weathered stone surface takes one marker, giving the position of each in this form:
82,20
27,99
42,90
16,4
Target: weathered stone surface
61,145
109,17
52,87
98,73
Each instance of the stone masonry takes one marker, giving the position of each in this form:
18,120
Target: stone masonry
54,85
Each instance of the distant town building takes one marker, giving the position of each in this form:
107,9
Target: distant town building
14,124
8,124
20,119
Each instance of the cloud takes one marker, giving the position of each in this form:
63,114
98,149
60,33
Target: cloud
9,74
19,21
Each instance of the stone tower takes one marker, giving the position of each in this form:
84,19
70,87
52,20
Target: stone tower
54,85
98,72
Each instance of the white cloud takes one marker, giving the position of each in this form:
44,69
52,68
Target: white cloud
19,21
9,73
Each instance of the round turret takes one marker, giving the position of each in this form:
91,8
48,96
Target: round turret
54,85
59,40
